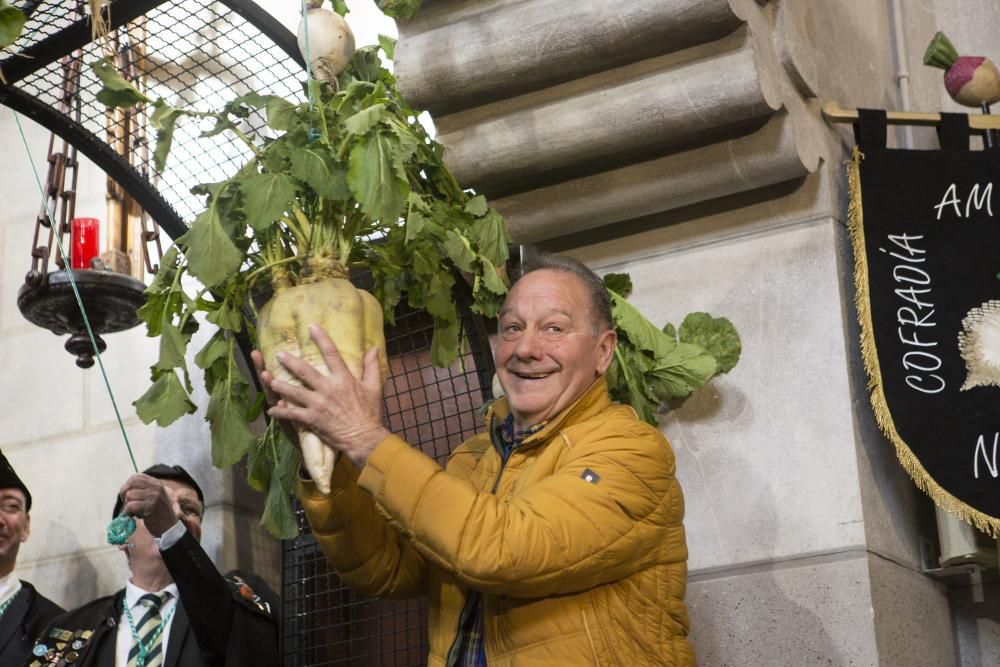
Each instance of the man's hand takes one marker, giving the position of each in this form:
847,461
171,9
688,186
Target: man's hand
146,498
344,411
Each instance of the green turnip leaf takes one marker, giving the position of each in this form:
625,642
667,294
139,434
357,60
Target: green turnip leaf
231,437
444,344
686,368
637,329
375,178
716,335
490,237
211,255
619,283
172,347
116,89
164,402
363,121
11,23
459,251
388,45
399,9
216,348
266,198
318,169
278,517
164,119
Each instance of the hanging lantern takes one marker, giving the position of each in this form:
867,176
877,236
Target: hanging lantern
109,284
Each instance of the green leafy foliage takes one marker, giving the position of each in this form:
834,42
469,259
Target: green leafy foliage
351,177
117,92
399,9
212,256
165,401
652,366
278,517
716,334
619,283
11,23
227,415
266,197
940,52
388,45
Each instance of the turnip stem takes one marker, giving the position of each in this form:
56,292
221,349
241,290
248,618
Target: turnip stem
252,276
245,139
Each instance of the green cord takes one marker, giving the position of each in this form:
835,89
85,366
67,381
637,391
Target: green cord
121,527
76,292
140,660
305,30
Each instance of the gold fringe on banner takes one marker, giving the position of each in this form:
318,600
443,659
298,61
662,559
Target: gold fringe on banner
949,503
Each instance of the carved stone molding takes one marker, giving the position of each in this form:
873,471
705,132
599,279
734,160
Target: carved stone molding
577,115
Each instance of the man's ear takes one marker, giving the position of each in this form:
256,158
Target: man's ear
606,350
27,527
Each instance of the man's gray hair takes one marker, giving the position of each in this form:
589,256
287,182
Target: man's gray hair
600,302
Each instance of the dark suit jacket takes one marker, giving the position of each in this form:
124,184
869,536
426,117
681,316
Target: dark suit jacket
229,621
22,623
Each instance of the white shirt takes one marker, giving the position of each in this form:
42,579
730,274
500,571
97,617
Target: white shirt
9,586
132,594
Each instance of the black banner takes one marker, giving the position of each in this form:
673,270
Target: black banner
926,232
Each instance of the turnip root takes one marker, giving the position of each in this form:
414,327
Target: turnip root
970,80
351,317
330,45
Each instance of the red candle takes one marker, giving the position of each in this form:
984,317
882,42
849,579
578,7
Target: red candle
86,237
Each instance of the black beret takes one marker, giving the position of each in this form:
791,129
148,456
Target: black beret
10,480
163,471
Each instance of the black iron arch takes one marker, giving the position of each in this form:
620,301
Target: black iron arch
229,47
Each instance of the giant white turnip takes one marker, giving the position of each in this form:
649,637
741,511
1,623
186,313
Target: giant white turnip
352,318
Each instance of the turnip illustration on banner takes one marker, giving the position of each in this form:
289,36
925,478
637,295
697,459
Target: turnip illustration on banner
925,226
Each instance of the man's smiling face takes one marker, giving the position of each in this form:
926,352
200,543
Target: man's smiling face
15,526
548,353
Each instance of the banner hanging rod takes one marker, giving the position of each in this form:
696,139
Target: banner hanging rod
834,113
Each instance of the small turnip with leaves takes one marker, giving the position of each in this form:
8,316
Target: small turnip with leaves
326,40
970,80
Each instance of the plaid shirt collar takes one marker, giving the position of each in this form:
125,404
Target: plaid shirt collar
510,438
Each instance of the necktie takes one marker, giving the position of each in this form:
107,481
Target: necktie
147,644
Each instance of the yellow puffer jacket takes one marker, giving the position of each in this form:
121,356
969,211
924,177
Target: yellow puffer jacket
579,554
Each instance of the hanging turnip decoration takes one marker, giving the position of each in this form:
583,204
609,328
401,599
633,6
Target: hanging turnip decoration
328,43
970,80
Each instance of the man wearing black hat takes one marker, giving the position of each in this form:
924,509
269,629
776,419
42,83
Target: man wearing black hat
24,612
176,609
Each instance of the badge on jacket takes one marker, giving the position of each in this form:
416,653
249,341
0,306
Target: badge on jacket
60,645
248,594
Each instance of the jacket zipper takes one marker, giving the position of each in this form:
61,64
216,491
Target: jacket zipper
463,618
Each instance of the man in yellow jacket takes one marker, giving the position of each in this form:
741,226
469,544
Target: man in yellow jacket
554,538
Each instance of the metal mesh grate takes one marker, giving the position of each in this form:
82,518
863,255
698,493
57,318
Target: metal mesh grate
202,56
193,55
433,409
